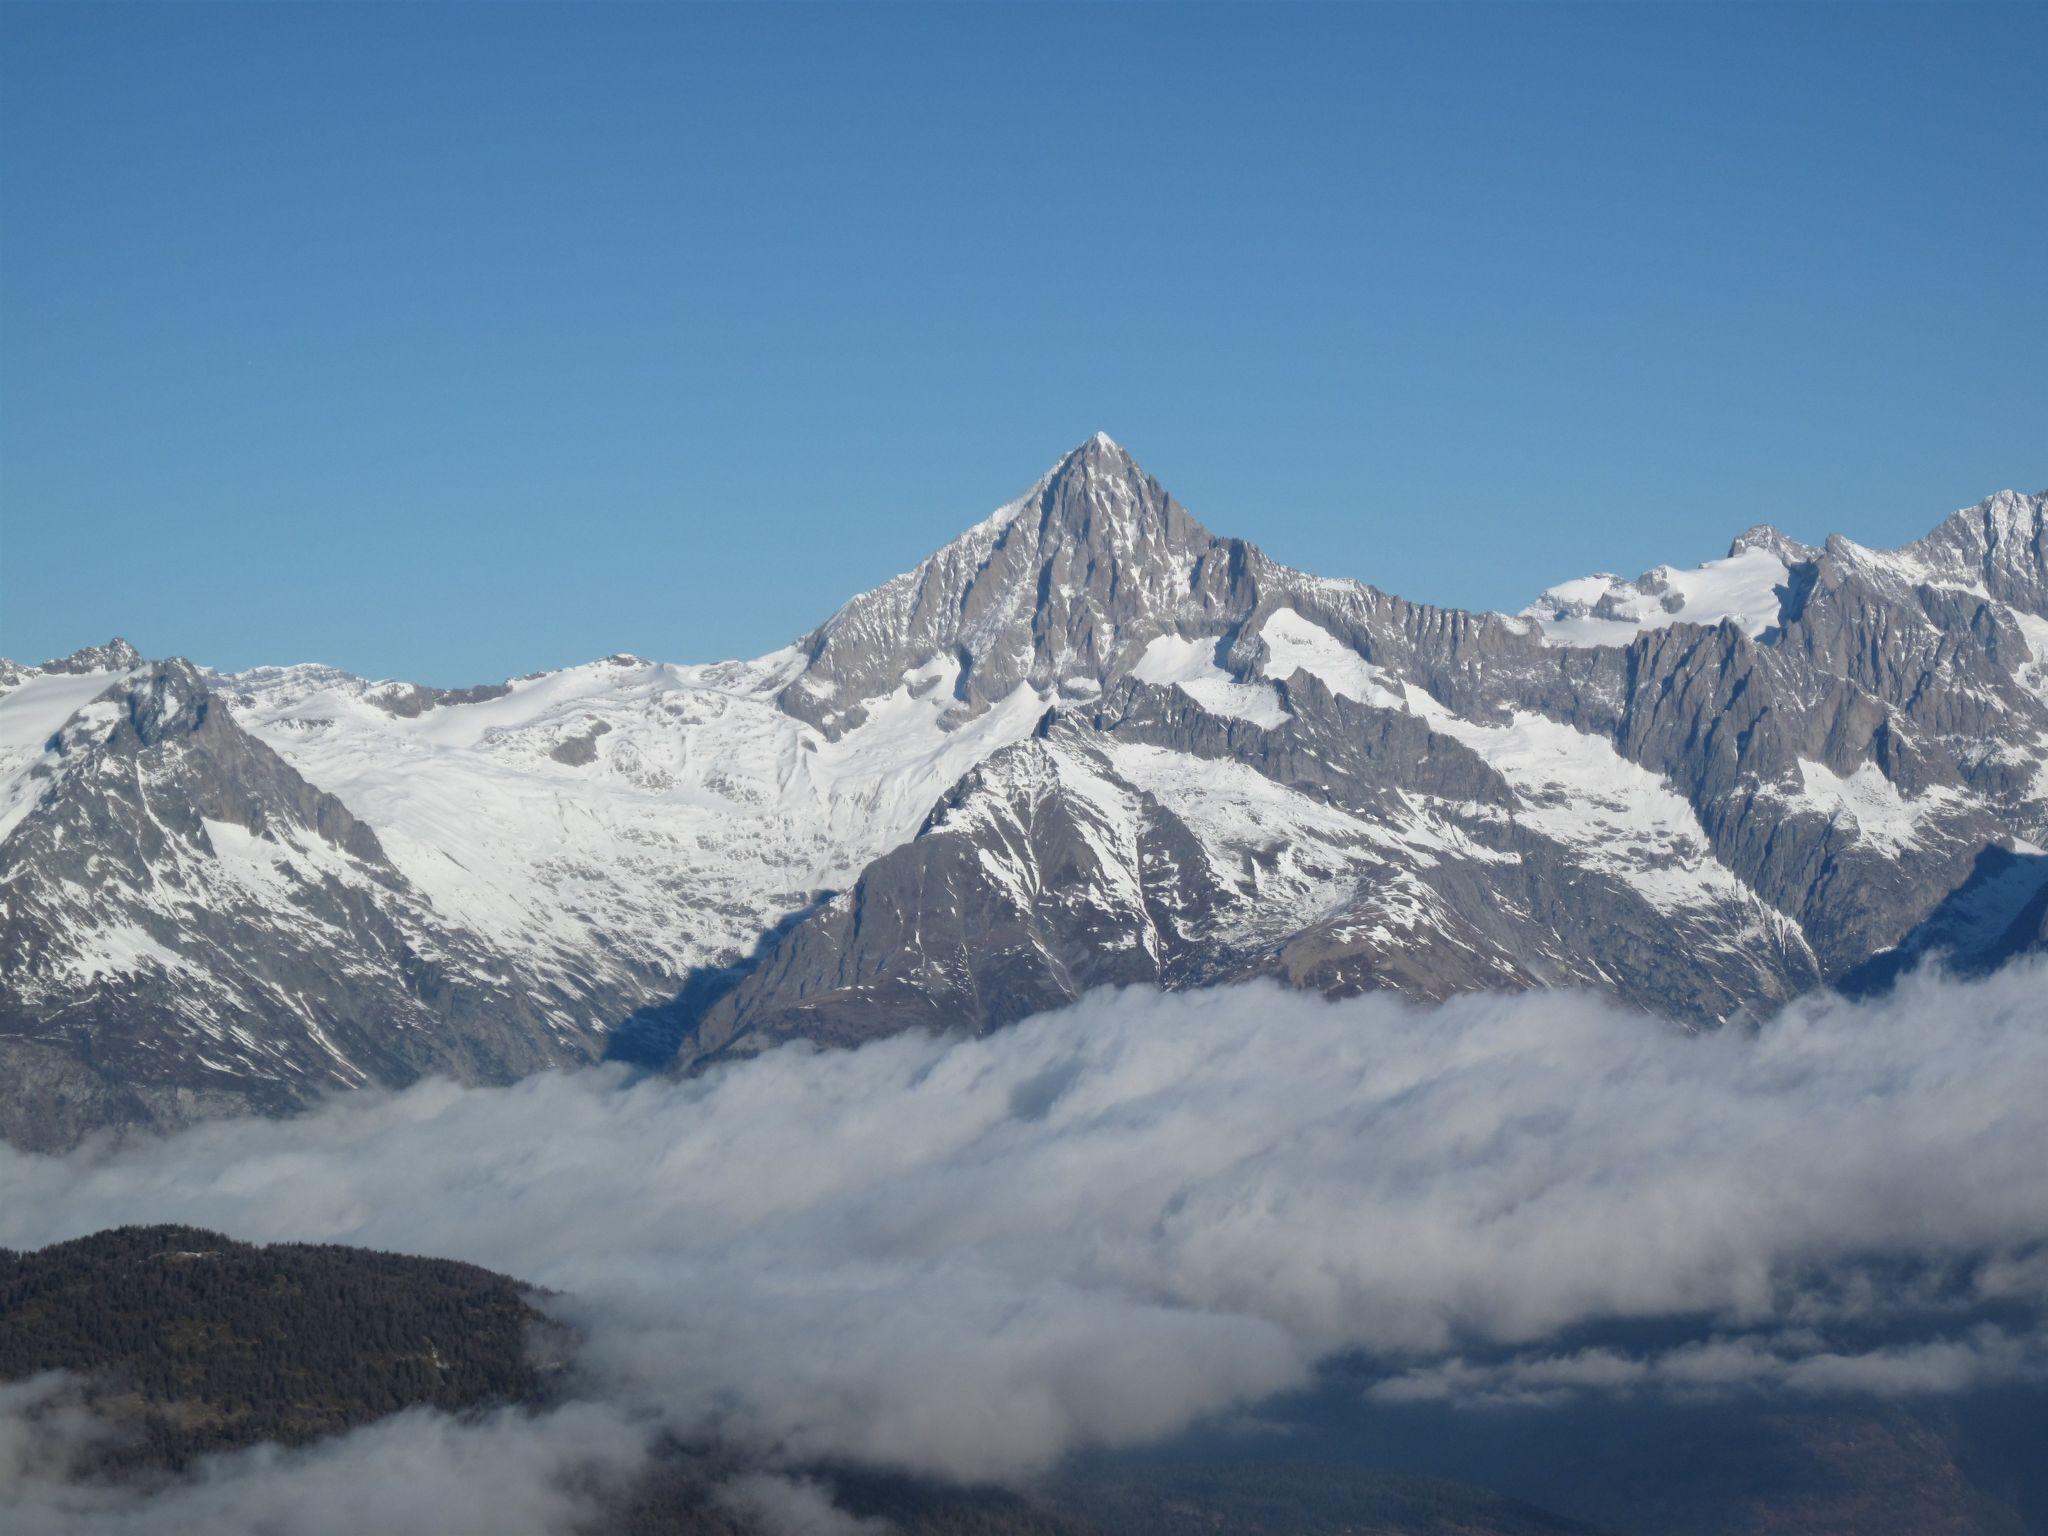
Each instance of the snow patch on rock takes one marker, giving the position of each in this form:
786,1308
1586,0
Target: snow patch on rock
1871,804
1191,666
1296,644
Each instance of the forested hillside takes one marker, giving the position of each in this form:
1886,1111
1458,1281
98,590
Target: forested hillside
207,1344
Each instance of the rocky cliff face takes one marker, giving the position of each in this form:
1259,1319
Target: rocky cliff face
1086,743
1069,582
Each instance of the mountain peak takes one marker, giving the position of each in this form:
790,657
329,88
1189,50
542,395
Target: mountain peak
2011,513
1066,582
117,655
2000,543
1772,541
1098,455
1098,505
167,700
1999,517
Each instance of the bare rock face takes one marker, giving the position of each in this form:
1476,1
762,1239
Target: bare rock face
1345,848
1071,581
1087,743
1998,547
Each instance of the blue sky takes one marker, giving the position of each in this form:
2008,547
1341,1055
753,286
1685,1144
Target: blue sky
453,343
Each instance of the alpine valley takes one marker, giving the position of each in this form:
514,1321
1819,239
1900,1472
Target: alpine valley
1087,743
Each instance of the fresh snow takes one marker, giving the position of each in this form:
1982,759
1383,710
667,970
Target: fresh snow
2034,675
31,713
121,948
1295,644
707,813
1871,804
1616,816
1191,666
1745,587
1290,859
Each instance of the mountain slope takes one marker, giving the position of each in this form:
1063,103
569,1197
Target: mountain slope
189,927
1085,742
1705,817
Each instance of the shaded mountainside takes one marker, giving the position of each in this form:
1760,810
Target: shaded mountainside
1086,742
200,1343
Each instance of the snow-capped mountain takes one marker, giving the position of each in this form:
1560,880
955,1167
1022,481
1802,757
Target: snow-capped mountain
1790,764
1085,742
190,927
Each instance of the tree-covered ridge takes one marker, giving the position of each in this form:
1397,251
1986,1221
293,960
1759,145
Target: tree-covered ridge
209,1344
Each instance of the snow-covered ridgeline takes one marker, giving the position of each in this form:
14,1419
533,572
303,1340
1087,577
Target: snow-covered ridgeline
1985,550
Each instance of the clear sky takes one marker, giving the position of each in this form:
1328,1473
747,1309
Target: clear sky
453,343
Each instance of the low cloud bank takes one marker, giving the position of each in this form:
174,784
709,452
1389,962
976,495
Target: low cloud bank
508,1474
968,1257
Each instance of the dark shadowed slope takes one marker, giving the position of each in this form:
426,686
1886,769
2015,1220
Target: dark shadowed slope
206,1344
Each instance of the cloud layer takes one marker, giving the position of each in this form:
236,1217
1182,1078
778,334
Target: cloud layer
968,1257
509,1474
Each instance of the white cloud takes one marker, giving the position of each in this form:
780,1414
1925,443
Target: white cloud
969,1256
414,1474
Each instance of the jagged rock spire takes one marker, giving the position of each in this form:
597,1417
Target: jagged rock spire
1076,575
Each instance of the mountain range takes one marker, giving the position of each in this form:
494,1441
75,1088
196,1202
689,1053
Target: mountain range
1086,743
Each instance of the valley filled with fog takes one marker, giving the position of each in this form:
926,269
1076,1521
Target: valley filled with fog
1141,1215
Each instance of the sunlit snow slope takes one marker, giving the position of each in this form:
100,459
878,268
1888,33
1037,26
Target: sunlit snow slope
660,816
